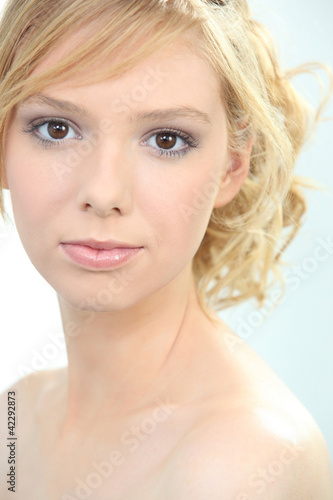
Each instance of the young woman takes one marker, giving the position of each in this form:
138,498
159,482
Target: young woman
148,149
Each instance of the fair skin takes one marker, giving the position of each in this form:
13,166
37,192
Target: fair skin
145,364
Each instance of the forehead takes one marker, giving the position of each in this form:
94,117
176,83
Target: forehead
178,72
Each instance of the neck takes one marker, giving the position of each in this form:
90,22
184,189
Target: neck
121,361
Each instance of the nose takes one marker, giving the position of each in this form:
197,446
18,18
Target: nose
106,182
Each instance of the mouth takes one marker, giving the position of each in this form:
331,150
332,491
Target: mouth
101,245
100,254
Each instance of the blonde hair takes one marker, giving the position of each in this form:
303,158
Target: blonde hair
244,240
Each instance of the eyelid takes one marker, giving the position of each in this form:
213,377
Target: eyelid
190,143
185,136
43,121
37,122
32,130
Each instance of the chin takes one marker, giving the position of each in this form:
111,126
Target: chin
101,302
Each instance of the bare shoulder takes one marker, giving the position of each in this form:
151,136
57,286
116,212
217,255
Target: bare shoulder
11,400
26,392
28,388
18,416
21,391
256,441
251,454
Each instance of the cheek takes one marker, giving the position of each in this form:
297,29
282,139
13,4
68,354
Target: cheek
27,191
34,177
195,208
33,191
181,211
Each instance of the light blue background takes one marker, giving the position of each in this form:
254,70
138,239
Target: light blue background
296,339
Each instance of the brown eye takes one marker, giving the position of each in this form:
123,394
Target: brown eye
166,140
57,130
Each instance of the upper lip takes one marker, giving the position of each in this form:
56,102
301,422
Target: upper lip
101,245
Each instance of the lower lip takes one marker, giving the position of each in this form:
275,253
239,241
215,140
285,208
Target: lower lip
99,259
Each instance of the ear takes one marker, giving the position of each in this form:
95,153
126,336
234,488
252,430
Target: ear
237,170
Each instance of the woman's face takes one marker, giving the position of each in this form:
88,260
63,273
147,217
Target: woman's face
137,158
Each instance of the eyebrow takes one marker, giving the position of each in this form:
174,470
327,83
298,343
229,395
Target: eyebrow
167,114
157,114
54,103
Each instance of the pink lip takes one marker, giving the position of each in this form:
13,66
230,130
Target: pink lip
101,245
99,255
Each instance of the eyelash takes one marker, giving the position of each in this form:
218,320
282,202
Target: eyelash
191,143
